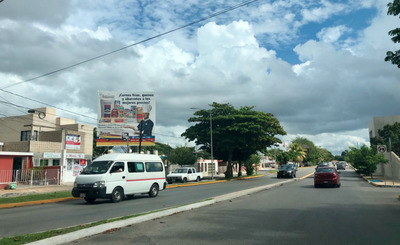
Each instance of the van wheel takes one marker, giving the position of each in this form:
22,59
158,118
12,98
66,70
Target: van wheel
198,179
90,199
153,190
117,195
184,180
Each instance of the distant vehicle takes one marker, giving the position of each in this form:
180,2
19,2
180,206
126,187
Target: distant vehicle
292,164
341,165
286,170
324,164
183,175
326,176
115,176
272,165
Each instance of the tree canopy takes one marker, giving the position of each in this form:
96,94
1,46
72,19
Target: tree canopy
391,132
394,57
365,159
313,154
236,133
182,156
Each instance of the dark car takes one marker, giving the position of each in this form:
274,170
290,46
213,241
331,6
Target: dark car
286,171
326,176
341,166
323,165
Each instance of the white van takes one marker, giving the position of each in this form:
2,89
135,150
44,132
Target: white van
115,176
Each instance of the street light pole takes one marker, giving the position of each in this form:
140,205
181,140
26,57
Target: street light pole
211,144
212,155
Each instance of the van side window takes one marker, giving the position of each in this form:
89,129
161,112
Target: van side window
118,167
134,167
154,167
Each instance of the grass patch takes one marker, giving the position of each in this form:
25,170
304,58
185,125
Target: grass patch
35,197
28,238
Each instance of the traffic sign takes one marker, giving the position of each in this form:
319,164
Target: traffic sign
381,148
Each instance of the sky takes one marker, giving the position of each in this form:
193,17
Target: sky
316,65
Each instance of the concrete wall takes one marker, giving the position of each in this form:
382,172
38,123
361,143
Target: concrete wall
378,123
391,169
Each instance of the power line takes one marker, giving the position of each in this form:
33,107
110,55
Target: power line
47,104
143,41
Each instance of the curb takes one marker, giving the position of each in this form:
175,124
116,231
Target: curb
22,204
377,185
73,236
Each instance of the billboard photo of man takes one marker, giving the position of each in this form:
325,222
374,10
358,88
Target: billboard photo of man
145,126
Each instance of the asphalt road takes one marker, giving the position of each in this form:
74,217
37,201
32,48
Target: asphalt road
295,213
31,219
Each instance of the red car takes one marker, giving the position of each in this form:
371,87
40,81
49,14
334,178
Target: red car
326,176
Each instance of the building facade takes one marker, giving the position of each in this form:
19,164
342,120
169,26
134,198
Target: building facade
378,123
55,142
391,169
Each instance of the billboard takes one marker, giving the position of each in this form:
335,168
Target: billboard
126,118
73,142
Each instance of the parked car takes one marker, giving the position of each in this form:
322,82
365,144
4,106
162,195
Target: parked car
183,175
326,176
286,170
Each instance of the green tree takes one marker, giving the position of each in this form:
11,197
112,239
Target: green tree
391,132
252,162
312,152
182,156
237,133
282,157
365,159
163,149
297,153
324,155
394,57
272,152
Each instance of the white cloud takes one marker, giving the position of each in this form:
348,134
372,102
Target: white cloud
323,12
329,97
332,34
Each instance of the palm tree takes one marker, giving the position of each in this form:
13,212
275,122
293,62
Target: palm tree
297,152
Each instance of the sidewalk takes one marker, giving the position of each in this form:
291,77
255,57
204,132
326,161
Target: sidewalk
23,190
379,181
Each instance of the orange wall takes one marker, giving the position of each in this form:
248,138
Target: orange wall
6,162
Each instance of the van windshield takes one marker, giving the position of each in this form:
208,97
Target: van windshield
98,167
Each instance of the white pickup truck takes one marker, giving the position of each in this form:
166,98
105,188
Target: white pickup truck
183,175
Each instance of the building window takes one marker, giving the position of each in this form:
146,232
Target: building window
35,135
56,162
25,135
44,162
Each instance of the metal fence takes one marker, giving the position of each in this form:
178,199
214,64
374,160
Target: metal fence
30,176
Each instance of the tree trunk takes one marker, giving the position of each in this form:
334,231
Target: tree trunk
228,173
240,169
